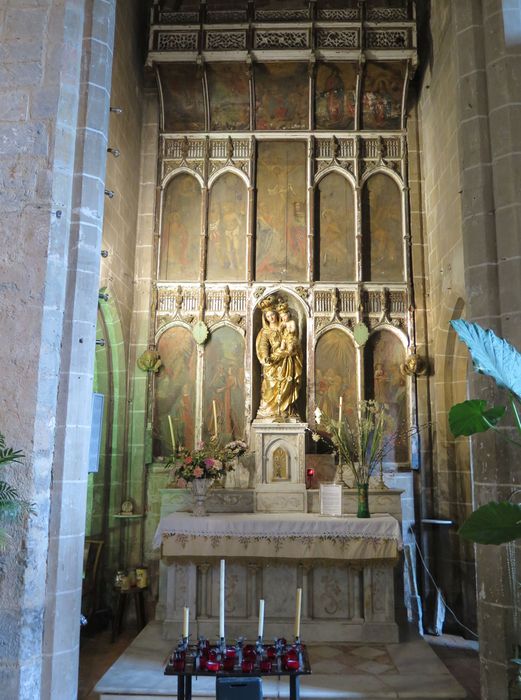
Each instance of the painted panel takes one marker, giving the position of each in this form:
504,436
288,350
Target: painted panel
181,227
382,234
183,100
229,92
224,384
175,390
281,211
334,209
384,381
227,229
382,95
335,96
281,96
335,373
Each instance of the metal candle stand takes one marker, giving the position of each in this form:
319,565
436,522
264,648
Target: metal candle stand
237,661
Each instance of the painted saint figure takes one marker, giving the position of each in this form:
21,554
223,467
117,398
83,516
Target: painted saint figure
280,354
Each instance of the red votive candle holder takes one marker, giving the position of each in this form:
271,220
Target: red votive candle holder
247,666
229,664
290,664
271,652
203,661
231,652
179,664
265,665
212,665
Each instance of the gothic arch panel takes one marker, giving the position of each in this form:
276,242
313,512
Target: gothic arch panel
335,229
180,230
335,372
384,353
224,384
281,211
382,232
227,220
175,390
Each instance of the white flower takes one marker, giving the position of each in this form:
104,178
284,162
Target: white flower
318,414
315,437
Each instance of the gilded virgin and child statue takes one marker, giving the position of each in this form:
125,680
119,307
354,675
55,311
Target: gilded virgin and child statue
280,354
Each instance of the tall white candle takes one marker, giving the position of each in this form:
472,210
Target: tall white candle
172,434
261,619
186,616
297,612
340,409
221,601
214,418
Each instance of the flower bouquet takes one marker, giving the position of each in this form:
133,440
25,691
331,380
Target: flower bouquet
199,468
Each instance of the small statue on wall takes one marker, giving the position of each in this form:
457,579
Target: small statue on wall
280,355
149,361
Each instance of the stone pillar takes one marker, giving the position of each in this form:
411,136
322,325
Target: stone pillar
55,76
490,162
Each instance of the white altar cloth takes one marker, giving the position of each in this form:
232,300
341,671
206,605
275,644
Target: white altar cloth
284,536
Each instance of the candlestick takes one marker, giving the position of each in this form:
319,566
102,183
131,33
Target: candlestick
297,613
221,598
172,435
186,616
261,619
340,409
214,418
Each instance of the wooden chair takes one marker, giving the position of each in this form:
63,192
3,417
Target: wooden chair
90,587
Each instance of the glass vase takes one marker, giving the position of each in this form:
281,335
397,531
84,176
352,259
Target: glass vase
200,488
363,501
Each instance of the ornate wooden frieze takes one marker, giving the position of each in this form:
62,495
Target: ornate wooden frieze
331,38
179,301
226,41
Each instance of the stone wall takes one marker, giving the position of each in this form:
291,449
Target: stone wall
449,486
118,269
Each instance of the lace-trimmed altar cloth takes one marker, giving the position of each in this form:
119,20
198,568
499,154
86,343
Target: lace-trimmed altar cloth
279,536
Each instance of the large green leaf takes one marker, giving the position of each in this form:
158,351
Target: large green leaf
493,523
491,355
473,416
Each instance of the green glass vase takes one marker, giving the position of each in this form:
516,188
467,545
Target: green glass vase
363,501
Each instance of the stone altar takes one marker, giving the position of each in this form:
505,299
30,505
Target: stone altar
348,583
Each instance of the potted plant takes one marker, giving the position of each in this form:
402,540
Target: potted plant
12,506
492,523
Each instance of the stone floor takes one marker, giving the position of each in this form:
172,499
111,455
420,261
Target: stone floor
411,669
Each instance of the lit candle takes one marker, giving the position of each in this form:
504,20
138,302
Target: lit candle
186,615
221,598
172,436
261,619
340,409
214,418
297,613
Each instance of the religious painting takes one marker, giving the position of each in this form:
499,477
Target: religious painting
181,230
229,92
385,382
281,96
281,211
335,373
224,384
335,96
183,100
335,229
382,232
175,391
226,260
382,95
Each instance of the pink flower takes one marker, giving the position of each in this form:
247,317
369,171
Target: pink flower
181,483
198,472
209,462
188,460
